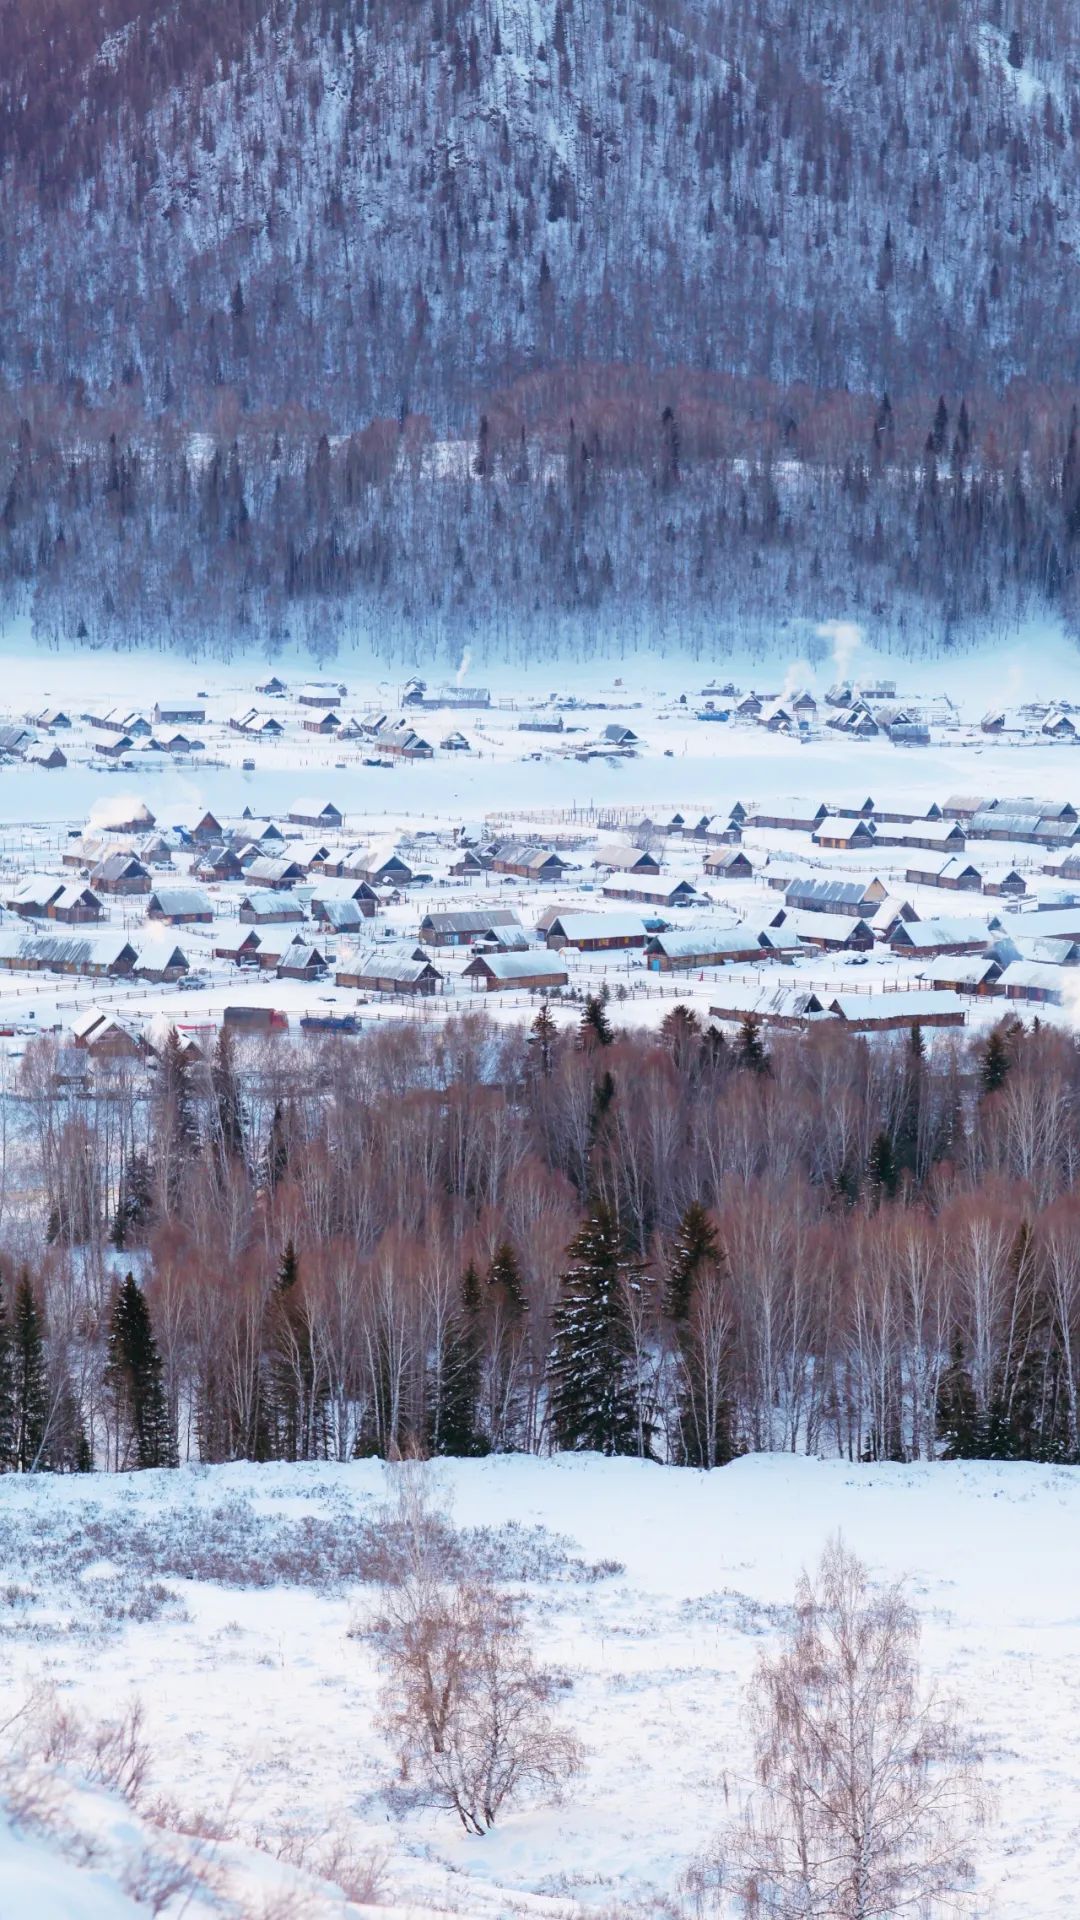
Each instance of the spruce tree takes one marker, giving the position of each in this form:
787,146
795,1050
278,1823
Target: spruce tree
275,1159
453,1427
177,1129
135,1203
714,1047
595,1029
680,1030
695,1245
995,1062
297,1422
603,1095
68,1449
750,1050
505,1281
133,1376
590,1377
881,1169
7,1409
704,1425
905,1145
29,1388
957,1414
228,1100
542,1036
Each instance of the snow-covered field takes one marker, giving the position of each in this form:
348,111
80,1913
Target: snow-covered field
225,1599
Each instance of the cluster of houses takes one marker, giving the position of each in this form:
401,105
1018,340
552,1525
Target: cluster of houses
863,710
294,898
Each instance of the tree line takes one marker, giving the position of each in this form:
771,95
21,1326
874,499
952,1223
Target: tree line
677,1245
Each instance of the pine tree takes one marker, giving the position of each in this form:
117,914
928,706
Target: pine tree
595,1029
695,1245
591,1388
133,1376
29,1390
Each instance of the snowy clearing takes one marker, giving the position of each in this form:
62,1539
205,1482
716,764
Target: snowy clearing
259,1698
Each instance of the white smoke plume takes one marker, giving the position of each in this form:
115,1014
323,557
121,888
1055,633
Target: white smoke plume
846,639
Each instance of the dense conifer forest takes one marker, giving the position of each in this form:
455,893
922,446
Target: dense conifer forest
480,318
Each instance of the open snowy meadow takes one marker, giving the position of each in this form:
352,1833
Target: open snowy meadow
232,1602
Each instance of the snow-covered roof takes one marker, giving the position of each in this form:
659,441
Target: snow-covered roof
599,926
943,933
521,966
172,900
681,945
650,886
1037,975
861,1007
822,926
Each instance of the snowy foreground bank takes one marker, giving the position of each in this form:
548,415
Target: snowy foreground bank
227,1600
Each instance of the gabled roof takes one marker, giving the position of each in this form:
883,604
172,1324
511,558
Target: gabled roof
119,866
921,934
387,962
704,941
474,920
649,886
828,892
538,961
176,900
34,890
598,926
158,954
825,926
314,809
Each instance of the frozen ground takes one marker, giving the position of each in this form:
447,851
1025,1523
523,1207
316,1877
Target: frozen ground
259,1699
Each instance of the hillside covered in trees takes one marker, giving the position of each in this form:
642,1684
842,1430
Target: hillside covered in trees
471,317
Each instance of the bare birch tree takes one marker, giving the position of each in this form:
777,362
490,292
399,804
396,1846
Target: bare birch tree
868,1791
464,1701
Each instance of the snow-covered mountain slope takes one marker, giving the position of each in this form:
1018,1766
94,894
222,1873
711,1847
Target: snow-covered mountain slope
371,207
470,314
